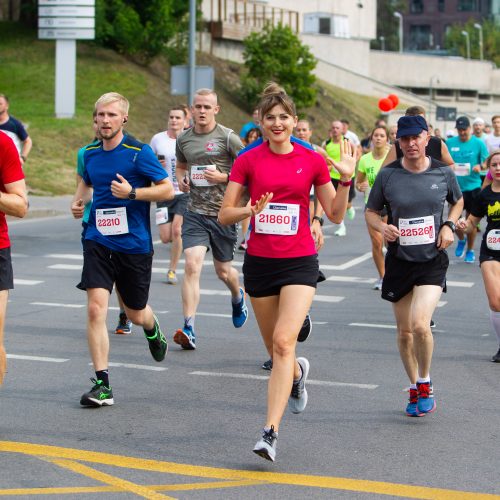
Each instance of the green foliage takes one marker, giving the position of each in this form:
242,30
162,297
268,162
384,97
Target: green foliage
455,42
143,29
387,24
276,54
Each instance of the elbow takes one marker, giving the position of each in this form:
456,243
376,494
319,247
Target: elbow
334,217
222,217
22,210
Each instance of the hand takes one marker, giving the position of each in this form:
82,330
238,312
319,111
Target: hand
214,176
390,232
317,234
184,184
445,237
77,209
345,167
462,224
476,168
120,188
260,204
363,186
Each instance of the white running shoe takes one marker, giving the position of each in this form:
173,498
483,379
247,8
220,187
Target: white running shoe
297,401
378,284
341,231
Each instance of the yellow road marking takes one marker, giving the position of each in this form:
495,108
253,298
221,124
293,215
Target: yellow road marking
121,484
324,482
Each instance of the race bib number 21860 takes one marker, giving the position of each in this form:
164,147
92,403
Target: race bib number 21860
278,218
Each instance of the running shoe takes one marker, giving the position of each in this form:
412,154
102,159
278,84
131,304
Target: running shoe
378,284
124,326
298,398
185,338
157,342
494,359
351,213
171,278
306,329
341,231
470,257
433,324
426,402
267,365
411,407
99,395
266,445
459,251
240,311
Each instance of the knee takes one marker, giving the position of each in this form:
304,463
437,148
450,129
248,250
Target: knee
165,238
494,303
96,311
137,317
421,329
223,274
405,337
283,345
191,268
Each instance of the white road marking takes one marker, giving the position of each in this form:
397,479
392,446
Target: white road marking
67,267
372,325
461,284
348,264
36,358
57,304
214,315
441,303
351,279
18,281
70,256
137,367
317,298
265,377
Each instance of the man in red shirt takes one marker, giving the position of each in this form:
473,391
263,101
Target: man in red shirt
13,201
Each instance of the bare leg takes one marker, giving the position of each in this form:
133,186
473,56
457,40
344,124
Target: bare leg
97,332
4,297
191,281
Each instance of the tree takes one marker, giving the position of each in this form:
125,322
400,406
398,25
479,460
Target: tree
276,54
387,24
456,44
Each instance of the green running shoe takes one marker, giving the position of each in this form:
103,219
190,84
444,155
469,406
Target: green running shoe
99,395
157,343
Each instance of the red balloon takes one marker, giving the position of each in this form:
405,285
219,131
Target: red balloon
385,104
394,99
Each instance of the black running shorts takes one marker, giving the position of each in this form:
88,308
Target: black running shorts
402,275
6,273
103,267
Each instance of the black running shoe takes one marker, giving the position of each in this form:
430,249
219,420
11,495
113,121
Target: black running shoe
496,357
99,395
268,365
306,329
157,343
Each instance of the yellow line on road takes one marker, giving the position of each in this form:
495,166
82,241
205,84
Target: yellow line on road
324,482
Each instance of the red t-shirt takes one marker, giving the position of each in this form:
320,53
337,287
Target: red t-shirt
10,171
289,177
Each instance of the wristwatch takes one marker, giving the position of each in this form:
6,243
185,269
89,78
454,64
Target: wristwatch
319,219
450,224
132,195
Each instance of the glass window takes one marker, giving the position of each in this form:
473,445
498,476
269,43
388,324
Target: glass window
441,5
417,6
420,37
325,25
467,5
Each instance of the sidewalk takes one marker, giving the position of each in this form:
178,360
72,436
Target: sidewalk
48,206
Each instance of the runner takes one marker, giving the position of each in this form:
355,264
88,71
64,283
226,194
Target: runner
281,263
13,201
206,153
493,140
414,190
368,167
468,153
487,204
118,248
170,214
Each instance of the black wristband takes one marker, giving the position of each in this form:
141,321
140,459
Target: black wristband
450,224
319,219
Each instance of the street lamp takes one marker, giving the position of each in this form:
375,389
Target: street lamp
467,42
400,30
480,28
382,42
436,78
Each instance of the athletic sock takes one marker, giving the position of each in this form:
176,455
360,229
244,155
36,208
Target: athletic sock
103,375
150,333
413,386
189,321
237,299
295,381
423,380
495,322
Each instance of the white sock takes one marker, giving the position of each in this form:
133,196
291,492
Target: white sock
495,322
423,380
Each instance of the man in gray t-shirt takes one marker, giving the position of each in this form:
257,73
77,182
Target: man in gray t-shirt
205,154
414,190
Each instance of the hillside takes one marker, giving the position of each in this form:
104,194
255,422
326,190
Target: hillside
27,73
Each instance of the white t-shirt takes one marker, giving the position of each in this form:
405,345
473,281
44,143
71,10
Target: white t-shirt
352,138
492,142
164,145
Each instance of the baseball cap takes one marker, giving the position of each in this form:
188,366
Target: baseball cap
450,133
462,123
478,120
411,125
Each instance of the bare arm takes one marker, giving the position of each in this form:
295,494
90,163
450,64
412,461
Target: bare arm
25,151
159,191
82,196
14,200
181,176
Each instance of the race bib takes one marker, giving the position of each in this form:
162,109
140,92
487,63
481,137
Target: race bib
161,215
462,169
111,221
416,231
198,175
493,239
281,219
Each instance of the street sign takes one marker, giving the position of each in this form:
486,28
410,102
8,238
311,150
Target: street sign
66,34
66,2
446,114
66,11
66,22
179,79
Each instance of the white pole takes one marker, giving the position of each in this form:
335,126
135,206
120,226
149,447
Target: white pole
65,78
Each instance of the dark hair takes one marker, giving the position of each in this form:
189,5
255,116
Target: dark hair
180,107
415,111
253,130
381,128
345,121
274,95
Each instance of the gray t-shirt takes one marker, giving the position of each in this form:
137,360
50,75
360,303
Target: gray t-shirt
415,205
219,147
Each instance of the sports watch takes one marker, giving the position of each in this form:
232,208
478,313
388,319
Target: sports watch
132,195
450,224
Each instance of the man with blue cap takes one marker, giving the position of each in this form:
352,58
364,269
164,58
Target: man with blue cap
414,189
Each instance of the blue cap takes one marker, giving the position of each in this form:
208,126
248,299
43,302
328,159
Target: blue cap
411,125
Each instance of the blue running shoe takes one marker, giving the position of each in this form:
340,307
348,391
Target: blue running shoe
411,407
426,403
470,257
240,311
185,338
459,251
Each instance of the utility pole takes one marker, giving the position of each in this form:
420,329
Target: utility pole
192,49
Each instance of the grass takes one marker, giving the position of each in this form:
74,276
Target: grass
27,74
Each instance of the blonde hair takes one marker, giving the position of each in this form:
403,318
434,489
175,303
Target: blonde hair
275,95
111,97
207,92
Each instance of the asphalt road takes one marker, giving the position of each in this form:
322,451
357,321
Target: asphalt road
185,428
